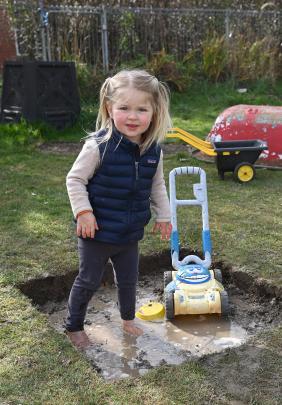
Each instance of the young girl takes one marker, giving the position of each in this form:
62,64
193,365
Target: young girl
115,179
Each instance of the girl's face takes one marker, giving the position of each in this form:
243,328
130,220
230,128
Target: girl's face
132,113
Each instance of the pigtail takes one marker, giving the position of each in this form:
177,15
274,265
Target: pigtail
103,119
161,121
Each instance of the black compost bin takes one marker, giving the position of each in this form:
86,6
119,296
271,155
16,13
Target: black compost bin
40,91
238,157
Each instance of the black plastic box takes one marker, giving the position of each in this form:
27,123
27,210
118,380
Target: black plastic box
40,91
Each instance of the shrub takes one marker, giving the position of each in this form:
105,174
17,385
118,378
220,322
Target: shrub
241,59
166,69
214,54
89,80
20,133
193,64
257,60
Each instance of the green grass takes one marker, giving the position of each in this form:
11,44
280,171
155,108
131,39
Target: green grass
37,365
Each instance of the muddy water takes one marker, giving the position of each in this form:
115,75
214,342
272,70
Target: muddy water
117,355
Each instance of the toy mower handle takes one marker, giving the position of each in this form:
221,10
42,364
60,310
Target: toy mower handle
200,193
186,170
199,189
190,259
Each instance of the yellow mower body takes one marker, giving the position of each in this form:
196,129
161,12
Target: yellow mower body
199,298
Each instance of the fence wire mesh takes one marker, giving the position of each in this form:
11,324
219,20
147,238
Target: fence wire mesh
109,36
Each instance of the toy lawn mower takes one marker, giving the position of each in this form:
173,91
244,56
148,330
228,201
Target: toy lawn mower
192,288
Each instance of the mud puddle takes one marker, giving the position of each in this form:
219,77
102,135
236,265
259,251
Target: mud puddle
116,354
255,306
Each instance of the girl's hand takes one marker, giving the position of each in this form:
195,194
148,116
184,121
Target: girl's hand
86,225
164,228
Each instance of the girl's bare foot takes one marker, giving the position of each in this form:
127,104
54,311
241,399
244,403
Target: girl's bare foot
79,339
132,328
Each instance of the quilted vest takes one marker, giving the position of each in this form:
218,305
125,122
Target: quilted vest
119,191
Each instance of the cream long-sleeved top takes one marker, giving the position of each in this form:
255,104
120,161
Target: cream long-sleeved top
85,166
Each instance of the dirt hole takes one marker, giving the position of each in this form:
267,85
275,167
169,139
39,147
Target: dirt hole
254,306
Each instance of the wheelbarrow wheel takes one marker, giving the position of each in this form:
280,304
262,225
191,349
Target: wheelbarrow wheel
167,278
224,300
169,305
244,172
217,275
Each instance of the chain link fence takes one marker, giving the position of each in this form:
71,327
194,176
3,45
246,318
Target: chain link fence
101,36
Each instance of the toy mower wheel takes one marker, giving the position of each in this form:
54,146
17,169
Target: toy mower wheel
169,305
244,172
167,278
225,307
217,275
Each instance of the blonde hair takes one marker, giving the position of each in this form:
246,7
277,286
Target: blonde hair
139,80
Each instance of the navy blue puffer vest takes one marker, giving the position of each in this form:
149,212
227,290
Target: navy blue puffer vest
119,191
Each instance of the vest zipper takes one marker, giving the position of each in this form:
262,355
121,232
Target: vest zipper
136,170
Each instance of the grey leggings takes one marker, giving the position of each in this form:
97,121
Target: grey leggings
93,257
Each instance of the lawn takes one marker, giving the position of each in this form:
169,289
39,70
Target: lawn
38,366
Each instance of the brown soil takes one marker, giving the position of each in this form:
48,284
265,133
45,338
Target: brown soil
168,148
75,147
61,147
